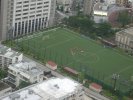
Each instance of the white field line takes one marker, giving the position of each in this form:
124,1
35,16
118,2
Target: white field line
118,72
79,60
122,55
60,43
123,70
56,44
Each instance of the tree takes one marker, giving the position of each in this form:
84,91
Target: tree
104,30
124,18
83,22
87,27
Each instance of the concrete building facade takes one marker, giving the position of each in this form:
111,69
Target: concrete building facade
103,12
3,18
24,71
8,56
21,17
4,88
122,2
88,7
66,4
108,2
124,39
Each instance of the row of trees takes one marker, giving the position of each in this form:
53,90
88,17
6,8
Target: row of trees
86,26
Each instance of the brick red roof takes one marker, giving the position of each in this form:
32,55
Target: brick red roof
97,86
51,63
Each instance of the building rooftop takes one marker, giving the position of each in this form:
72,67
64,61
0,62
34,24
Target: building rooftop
29,68
97,86
51,63
104,9
3,86
128,31
100,7
8,52
52,89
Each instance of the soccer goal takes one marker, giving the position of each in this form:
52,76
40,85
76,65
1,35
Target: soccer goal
46,37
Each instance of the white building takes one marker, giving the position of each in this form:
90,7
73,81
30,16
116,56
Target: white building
8,56
100,12
131,1
108,2
103,12
66,4
24,71
52,89
21,17
124,39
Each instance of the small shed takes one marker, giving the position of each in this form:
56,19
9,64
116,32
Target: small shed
52,65
95,87
71,71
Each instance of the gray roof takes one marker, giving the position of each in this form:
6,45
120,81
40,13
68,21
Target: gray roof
8,52
29,68
128,31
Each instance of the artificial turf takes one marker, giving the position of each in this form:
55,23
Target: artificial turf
71,49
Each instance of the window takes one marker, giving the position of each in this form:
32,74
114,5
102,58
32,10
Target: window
26,27
33,22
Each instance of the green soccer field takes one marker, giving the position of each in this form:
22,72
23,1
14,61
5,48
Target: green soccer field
69,49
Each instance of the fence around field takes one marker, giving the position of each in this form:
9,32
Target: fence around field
123,86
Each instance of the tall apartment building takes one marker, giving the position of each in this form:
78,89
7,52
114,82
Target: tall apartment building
88,7
21,17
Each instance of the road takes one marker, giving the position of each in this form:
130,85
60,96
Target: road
89,93
94,95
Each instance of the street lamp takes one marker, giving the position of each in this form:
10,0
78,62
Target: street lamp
115,77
